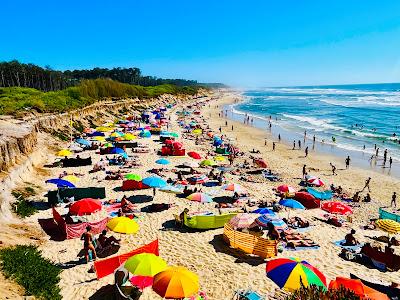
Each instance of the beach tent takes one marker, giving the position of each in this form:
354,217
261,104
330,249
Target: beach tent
290,273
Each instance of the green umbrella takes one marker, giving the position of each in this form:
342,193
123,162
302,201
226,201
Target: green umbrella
135,177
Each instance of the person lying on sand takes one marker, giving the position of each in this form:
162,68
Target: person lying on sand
127,206
301,243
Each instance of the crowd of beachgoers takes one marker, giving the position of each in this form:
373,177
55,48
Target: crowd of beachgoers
179,202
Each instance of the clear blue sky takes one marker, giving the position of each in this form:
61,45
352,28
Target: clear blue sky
242,43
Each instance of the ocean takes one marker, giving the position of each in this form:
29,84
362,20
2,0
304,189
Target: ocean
354,115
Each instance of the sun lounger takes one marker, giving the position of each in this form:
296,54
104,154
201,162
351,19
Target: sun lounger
246,295
249,243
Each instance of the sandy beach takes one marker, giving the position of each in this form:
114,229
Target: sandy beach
221,270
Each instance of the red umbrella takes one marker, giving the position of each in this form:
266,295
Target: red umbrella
194,155
286,189
316,181
85,206
177,145
334,207
141,281
357,287
308,200
260,163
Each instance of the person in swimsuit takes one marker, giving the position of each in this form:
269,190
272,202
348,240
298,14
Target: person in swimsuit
88,244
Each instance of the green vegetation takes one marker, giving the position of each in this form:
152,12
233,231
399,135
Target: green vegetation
23,207
17,99
27,267
314,292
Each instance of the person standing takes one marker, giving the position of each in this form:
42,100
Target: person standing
347,161
306,151
394,197
294,145
273,146
265,142
333,169
390,162
232,127
313,139
304,171
279,137
88,244
367,182
299,143
220,129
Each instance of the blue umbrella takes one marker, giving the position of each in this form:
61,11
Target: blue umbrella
265,219
83,142
145,133
60,182
163,161
264,211
291,203
116,150
96,133
154,182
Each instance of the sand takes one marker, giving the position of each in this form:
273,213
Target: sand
220,269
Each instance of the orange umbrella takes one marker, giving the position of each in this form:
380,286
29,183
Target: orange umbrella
358,288
176,283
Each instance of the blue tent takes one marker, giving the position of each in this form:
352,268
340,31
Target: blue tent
60,182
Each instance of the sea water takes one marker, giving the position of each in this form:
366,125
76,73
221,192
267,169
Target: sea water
345,119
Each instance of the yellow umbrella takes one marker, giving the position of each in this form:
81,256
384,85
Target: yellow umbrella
103,128
64,152
123,225
219,158
197,131
176,282
129,137
390,226
145,264
100,138
116,134
208,162
71,178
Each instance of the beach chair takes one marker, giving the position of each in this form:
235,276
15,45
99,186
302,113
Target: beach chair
246,295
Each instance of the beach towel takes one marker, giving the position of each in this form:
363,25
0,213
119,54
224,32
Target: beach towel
300,248
355,247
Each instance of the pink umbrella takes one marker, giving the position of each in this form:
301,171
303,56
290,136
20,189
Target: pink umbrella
141,281
243,220
316,181
286,189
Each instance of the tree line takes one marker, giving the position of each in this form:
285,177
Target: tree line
17,74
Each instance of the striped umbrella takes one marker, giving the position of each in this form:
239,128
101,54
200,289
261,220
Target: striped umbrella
289,273
200,197
265,219
243,220
286,189
390,226
316,181
234,187
199,179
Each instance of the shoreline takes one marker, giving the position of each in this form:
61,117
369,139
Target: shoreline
359,158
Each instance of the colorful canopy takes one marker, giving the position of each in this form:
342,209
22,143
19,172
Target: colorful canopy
263,221
64,152
85,206
219,158
129,137
390,226
287,273
135,177
145,264
355,285
60,182
163,161
194,155
242,220
123,225
208,162
199,179
197,131
335,207
234,187
200,197
154,182
176,283
291,203
316,181
286,189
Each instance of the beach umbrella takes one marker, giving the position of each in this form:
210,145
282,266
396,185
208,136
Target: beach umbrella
134,177
244,220
200,197
291,203
190,164
289,273
60,182
219,158
263,211
335,207
198,179
71,178
176,283
116,150
163,161
267,218
116,134
88,130
100,138
141,282
123,225
194,155
103,129
129,137
234,187
145,134
357,287
390,226
108,145
316,181
197,131
208,162
83,142
75,147
64,152
224,169
145,264
154,182
96,133
174,134
260,163
85,206
286,189
171,189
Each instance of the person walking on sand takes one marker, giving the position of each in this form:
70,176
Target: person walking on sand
299,142
220,129
390,162
232,127
279,137
394,197
304,171
347,161
313,139
367,182
333,169
294,145
306,151
88,244
273,146
226,123
265,142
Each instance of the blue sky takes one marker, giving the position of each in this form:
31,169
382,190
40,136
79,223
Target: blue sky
241,43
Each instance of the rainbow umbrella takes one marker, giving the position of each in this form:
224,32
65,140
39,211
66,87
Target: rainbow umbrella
134,177
176,283
200,197
123,225
145,264
289,273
